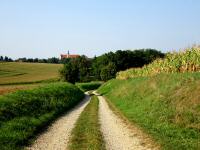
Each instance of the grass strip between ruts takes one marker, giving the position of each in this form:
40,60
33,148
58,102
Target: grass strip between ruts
87,134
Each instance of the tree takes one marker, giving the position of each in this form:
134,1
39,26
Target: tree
5,58
76,69
53,60
69,72
1,58
108,72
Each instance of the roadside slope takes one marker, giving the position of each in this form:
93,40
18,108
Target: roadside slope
166,106
24,113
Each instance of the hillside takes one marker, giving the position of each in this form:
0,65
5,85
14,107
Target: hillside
166,106
15,72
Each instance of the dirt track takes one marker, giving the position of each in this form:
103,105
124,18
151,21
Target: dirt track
117,134
57,135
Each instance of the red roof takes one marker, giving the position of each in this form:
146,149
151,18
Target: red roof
69,56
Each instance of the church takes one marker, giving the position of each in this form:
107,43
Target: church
63,56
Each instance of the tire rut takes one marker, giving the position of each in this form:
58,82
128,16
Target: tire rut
117,134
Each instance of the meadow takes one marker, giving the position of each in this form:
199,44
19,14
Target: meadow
24,113
166,106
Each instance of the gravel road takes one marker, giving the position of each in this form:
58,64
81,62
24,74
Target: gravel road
117,134
57,135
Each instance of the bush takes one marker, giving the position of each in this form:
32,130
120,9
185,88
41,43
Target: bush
23,113
89,86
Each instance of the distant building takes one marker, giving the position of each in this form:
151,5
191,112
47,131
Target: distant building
63,56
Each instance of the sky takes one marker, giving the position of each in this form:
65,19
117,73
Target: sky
47,28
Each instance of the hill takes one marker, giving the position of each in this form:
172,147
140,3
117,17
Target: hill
16,73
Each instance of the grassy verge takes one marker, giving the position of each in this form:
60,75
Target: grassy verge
87,134
24,113
165,106
89,86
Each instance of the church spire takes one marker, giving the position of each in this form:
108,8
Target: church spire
68,54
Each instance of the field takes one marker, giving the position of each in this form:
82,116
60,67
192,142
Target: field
19,73
16,76
166,106
187,60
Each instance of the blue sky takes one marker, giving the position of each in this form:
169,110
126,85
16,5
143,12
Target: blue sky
46,28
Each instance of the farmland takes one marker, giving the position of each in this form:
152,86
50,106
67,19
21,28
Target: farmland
17,76
187,60
19,73
160,101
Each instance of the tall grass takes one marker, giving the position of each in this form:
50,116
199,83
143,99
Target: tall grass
23,113
184,61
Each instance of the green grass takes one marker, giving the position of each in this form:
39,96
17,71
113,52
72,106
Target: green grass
166,106
87,134
22,73
24,113
89,85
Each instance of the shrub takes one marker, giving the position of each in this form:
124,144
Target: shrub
89,86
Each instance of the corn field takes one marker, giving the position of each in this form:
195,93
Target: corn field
187,60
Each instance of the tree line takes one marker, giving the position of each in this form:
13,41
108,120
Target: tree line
53,60
6,59
105,67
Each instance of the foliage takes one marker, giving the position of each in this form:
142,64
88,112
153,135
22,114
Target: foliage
23,113
166,106
184,61
52,60
76,69
122,60
87,134
89,85
108,72
5,59
105,66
